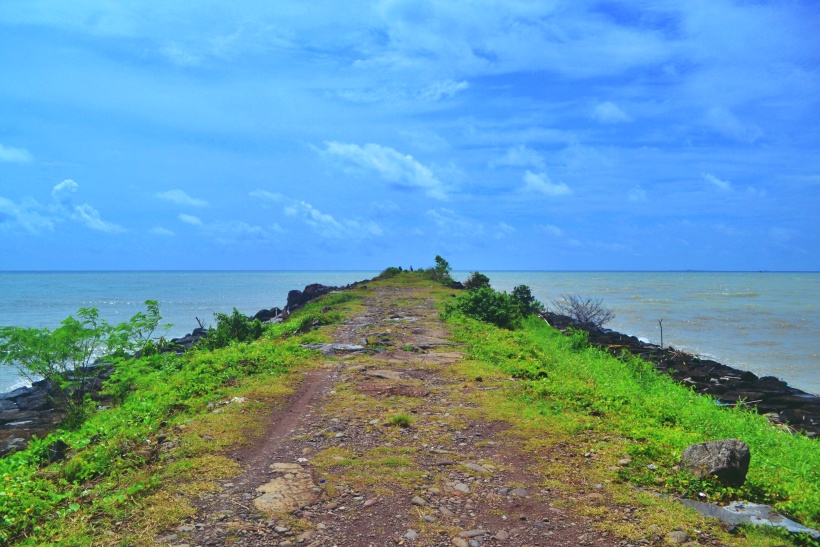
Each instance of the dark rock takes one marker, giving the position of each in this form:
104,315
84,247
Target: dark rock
457,285
7,405
297,299
14,394
727,460
56,452
267,315
13,416
294,299
37,401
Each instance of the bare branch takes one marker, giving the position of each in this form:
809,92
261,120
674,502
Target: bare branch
589,312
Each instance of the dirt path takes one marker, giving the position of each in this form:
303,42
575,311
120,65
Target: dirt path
336,468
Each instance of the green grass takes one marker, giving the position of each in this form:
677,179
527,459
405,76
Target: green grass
582,390
115,463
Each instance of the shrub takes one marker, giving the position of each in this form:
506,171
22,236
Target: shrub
587,312
387,273
525,299
401,420
485,304
65,356
477,280
441,271
231,328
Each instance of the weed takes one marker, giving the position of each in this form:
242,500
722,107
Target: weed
401,420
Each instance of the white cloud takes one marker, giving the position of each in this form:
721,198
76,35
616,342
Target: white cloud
24,215
181,198
397,168
62,192
520,156
542,184
160,231
14,155
268,196
327,226
190,219
86,214
609,113
722,185
442,90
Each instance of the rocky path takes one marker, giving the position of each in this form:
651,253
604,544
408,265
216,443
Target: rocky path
382,446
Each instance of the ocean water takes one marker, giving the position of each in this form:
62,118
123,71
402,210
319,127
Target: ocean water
763,322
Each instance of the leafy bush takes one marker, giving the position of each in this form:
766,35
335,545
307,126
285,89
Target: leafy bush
525,299
588,312
387,273
65,356
232,328
477,280
485,304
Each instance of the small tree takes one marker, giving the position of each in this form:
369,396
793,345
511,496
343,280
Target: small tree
477,280
232,328
442,270
485,304
588,312
65,356
523,295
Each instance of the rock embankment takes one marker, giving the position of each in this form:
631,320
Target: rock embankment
781,403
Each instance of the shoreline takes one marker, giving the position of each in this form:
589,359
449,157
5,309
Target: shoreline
26,411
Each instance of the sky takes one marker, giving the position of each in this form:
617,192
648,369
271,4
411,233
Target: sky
502,135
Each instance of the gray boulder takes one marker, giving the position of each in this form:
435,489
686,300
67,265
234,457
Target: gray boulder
727,460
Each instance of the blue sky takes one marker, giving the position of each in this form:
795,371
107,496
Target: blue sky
555,134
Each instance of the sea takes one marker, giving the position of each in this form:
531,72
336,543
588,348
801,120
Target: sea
764,322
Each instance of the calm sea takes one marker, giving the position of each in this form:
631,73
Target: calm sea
763,322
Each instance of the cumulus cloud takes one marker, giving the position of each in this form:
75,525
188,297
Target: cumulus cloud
541,183
34,218
62,192
181,198
520,156
190,219
268,196
402,170
722,185
502,230
14,155
24,215
87,215
609,113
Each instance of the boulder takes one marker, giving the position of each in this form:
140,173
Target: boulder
727,460
297,299
7,405
267,315
36,401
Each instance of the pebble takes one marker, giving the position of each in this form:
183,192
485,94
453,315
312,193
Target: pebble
461,487
429,518
520,492
368,503
472,533
460,542
421,502
502,535
411,534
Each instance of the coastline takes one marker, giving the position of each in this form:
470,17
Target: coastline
26,411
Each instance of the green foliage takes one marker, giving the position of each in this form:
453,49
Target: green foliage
485,304
577,387
401,420
390,272
235,327
526,301
65,356
441,271
477,280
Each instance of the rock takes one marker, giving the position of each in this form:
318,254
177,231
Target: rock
460,542
411,534
472,533
368,503
502,535
14,394
5,404
461,487
267,315
291,491
520,492
56,452
477,468
727,460
421,502
676,538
